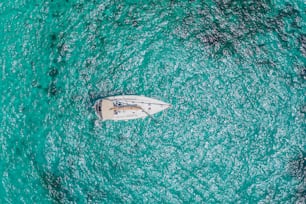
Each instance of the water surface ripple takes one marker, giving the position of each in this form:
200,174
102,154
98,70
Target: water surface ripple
234,72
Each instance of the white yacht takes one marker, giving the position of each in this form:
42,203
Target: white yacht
128,107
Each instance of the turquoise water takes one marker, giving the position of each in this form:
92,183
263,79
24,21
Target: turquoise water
234,72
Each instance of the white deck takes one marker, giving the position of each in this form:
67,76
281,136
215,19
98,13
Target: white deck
128,107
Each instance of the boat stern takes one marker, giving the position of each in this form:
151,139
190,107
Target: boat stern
98,109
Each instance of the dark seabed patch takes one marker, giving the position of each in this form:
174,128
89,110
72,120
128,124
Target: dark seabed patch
303,110
302,40
237,21
96,196
54,185
303,73
52,89
53,38
53,72
297,168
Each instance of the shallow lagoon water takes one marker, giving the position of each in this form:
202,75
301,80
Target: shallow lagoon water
233,71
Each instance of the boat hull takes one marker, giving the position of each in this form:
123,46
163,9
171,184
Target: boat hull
128,107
